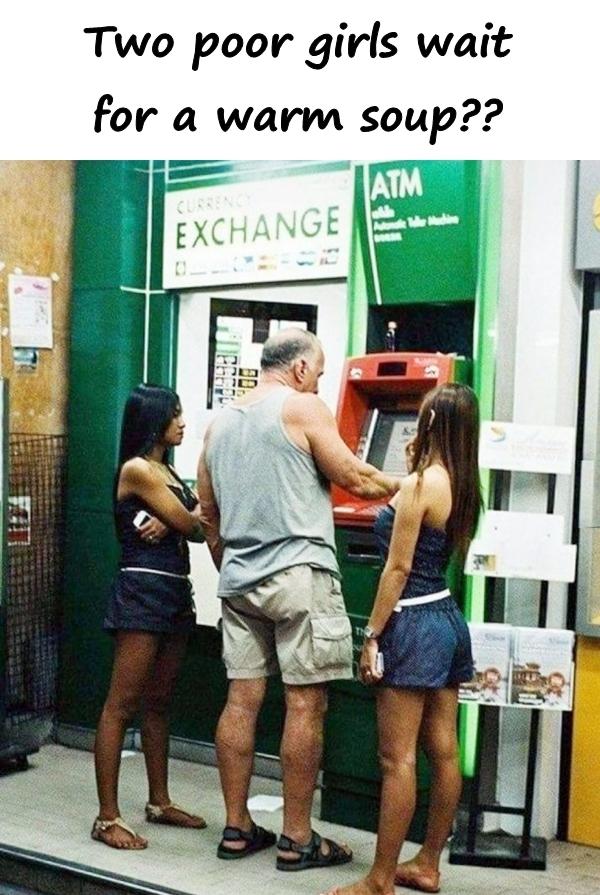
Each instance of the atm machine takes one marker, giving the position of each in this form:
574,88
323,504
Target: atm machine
377,413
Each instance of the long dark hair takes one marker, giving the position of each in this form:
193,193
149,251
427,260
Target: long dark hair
148,412
448,427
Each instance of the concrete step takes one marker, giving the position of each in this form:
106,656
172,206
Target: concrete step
25,872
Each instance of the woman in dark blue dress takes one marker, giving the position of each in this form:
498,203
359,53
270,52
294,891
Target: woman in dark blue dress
150,610
422,637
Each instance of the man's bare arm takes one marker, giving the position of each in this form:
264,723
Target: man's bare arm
210,515
333,457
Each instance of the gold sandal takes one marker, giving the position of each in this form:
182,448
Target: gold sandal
156,814
101,826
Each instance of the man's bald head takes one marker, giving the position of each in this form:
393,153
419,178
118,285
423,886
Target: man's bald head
283,349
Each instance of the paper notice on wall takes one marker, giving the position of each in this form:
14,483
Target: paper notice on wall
19,520
26,360
30,311
549,449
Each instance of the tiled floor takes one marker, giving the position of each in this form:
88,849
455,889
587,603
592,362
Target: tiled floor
50,809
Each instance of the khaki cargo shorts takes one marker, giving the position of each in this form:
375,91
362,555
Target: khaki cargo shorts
294,622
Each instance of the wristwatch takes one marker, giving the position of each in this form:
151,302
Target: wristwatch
370,633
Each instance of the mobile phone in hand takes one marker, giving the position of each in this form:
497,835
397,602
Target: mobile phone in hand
141,518
379,663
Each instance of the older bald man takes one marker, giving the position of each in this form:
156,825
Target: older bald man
263,482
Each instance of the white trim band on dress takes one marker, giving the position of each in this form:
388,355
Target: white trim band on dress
417,601
153,572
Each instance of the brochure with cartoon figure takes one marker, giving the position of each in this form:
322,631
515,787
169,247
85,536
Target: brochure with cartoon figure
542,669
491,645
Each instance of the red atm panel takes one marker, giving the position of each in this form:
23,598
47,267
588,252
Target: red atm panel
377,412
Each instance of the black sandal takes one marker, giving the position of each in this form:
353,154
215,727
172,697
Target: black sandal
311,854
257,839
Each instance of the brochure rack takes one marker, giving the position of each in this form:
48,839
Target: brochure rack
469,845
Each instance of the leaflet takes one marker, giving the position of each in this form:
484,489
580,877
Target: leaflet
542,668
549,449
522,545
491,644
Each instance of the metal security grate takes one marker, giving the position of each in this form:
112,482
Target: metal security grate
37,465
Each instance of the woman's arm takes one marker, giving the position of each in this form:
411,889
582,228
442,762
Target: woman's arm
410,506
137,478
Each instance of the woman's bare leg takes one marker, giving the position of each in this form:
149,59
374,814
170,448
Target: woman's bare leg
399,714
135,655
155,726
439,740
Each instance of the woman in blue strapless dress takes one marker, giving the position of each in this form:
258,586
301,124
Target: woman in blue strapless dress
418,630
150,610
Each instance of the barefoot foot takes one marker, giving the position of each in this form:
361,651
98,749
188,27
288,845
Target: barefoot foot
412,875
362,887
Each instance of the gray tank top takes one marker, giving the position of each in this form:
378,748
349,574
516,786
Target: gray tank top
274,503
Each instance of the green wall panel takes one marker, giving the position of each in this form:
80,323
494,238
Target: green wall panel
106,357
106,362
202,690
86,650
358,301
162,347
484,378
158,216
418,224
110,224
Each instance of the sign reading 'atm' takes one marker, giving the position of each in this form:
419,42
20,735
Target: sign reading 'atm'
418,224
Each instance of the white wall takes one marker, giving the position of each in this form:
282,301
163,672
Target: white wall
192,377
545,390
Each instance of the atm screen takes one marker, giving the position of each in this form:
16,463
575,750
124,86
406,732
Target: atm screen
389,435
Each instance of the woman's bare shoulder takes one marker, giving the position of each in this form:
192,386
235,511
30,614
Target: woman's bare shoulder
409,485
437,481
433,482
137,471
436,474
